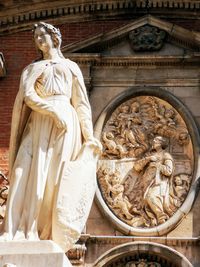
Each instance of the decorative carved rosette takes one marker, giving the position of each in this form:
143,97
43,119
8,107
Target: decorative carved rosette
147,165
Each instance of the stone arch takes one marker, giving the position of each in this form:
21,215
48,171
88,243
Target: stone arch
144,251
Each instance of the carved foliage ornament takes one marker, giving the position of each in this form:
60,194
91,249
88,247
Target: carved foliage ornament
147,38
146,168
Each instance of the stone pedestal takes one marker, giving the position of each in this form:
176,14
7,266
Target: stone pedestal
32,254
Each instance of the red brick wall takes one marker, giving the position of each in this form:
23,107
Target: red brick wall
18,50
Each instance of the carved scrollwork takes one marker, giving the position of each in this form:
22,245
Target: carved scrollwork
147,38
146,168
77,254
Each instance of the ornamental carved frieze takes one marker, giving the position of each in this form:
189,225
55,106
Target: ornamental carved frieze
147,165
147,38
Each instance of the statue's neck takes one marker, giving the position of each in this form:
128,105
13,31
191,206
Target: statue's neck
51,54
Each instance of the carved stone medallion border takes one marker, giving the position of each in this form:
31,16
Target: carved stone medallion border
171,223
145,253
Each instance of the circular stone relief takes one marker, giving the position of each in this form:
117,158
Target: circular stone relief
148,166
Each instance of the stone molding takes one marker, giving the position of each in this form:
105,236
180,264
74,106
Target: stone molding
121,61
169,241
176,34
18,17
158,252
89,53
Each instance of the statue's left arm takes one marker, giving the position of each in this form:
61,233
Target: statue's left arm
82,106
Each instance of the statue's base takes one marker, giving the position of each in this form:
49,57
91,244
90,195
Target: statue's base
32,254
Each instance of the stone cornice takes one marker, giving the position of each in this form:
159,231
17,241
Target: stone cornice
100,60
169,241
77,253
176,34
21,16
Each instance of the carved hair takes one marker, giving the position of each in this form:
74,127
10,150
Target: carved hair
53,32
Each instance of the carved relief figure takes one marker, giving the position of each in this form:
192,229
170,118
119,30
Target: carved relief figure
147,141
122,116
180,188
115,192
51,114
156,171
111,147
119,201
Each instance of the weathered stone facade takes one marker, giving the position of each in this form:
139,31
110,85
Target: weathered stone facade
126,49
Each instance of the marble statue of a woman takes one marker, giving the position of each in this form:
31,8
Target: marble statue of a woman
53,152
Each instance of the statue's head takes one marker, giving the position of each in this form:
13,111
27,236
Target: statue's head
178,180
46,35
160,141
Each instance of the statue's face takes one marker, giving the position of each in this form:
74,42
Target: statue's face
43,39
178,181
157,142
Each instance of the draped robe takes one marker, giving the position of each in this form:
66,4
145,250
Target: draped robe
52,170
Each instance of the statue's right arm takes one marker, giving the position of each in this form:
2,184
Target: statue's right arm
140,164
38,104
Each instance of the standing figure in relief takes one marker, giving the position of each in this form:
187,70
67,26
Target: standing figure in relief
120,201
157,170
51,128
180,189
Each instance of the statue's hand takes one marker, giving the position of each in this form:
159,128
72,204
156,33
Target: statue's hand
153,158
96,144
60,121
61,124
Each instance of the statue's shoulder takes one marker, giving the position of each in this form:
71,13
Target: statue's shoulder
31,66
73,66
26,71
70,62
31,70
168,156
